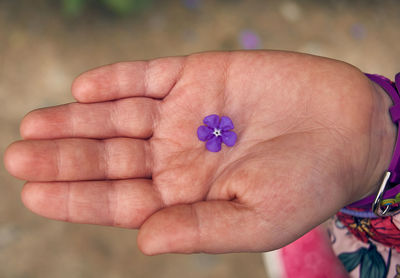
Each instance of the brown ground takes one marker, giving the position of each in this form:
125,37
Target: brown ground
41,52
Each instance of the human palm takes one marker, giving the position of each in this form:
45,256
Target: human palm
127,153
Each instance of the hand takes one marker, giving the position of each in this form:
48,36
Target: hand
312,138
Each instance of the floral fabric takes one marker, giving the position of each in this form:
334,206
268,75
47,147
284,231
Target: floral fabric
368,248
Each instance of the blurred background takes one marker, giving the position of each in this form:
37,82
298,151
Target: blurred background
44,44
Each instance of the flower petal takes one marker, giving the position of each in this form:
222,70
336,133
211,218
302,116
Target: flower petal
212,120
204,133
226,123
214,144
229,138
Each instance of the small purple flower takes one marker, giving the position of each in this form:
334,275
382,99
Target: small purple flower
250,39
217,131
358,31
192,4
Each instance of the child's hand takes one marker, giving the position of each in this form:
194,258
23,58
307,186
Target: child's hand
313,135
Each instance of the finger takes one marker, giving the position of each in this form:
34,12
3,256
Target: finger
131,117
153,78
78,159
122,203
211,227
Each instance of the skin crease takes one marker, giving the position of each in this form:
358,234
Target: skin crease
314,135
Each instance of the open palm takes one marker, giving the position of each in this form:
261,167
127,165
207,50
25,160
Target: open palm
127,154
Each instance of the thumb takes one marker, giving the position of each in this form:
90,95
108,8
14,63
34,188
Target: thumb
208,226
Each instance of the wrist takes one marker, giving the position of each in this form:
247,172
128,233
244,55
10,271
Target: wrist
383,135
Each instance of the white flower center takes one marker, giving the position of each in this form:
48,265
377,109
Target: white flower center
217,132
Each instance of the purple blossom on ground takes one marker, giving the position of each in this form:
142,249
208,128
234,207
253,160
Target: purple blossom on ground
358,31
217,131
249,40
191,4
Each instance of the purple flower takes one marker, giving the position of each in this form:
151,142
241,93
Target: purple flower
250,40
192,4
217,131
358,31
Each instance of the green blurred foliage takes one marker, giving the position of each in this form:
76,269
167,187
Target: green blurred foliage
74,8
123,7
